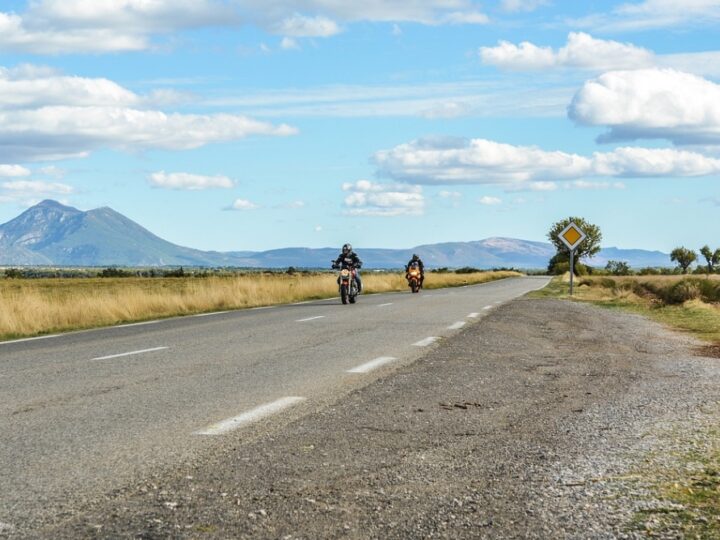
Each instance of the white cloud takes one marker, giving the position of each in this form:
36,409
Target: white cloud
446,110
450,194
68,26
191,182
586,185
373,199
581,52
651,104
243,204
13,170
489,201
480,161
44,115
301,26
522,5
78,26
289,44
35,187
654,14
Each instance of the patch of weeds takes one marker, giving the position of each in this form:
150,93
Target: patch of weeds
689,493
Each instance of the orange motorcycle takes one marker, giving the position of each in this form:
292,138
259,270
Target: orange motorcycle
414,277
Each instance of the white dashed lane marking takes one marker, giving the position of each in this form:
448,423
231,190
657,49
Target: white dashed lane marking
473,316
253,415
130,353
388,304
311,318
487,307
456,326
372,364
425,342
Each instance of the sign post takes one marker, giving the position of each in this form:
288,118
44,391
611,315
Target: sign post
572,236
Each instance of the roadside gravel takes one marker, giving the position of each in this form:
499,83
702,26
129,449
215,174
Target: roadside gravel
530,424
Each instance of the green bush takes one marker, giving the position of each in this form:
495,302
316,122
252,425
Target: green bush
682,291
467,270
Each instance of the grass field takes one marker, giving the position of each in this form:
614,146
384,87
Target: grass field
39,306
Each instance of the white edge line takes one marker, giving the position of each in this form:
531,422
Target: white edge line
135,324
311,318
211,313
473,315
130,353
372,364
425,342
456,326
248,417
29,339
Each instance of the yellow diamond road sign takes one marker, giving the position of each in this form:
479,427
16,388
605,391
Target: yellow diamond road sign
572,236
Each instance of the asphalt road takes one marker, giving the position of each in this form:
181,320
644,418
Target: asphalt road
86,412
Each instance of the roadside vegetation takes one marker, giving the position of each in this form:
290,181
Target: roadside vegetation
687,482
33,307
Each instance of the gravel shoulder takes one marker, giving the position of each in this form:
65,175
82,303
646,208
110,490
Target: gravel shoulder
531,423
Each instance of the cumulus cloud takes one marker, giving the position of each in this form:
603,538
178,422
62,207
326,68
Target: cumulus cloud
243,204
67,26
486,200
480,161
650,104
581,52
191,182
13,170
77,26
367,198
30,192
301,26
46,116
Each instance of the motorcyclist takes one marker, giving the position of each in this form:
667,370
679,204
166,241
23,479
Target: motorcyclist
349,258
415,260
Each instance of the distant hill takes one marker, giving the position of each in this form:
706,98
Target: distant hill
53,234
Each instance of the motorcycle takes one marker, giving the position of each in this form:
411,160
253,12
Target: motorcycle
347,283
413,277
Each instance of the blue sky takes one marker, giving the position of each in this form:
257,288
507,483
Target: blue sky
258,124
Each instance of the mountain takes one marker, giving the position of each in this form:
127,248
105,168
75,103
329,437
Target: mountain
52,234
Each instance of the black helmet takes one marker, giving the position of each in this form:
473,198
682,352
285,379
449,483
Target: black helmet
347,248
415,257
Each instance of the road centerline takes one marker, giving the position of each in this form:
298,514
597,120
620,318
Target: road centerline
131,353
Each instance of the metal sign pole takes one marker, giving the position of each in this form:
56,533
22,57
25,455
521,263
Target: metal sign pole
572,269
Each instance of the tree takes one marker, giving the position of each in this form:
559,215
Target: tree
712,258
618,268
587,248
684,257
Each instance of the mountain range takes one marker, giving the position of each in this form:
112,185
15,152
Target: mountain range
53,234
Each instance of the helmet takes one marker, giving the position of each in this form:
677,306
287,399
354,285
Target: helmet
415,257
347,248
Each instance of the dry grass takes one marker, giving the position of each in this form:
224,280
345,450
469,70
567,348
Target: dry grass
689,303
33,307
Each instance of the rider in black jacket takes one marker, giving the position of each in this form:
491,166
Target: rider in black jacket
349,258
416,260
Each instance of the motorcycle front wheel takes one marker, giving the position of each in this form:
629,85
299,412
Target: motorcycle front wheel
344,294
